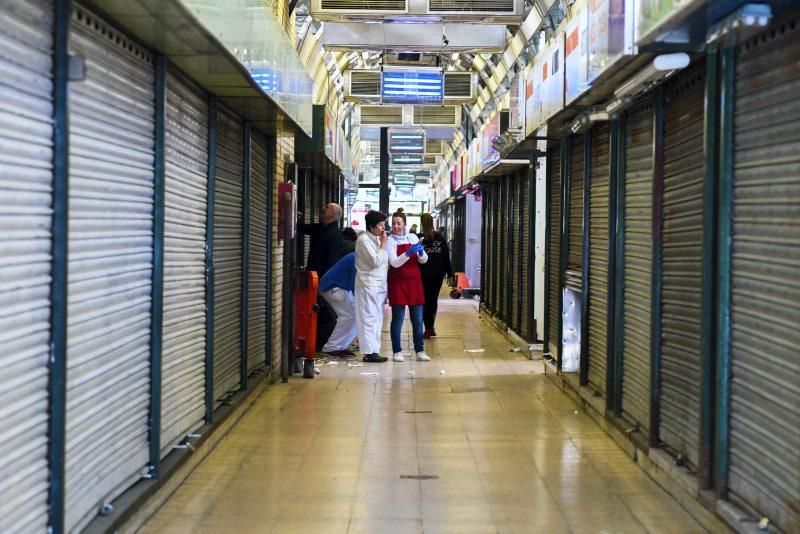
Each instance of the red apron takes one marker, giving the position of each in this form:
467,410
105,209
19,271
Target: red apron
405,282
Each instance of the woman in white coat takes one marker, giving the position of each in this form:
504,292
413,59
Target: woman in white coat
372,265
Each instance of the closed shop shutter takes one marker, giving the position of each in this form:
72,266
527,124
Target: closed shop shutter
765,278
308,212
525,258
228,253
497,264
26,182
111,167
573,276
186,195
484,195
514,253
638,247
553,248
682,262
502,275
599,202
257,292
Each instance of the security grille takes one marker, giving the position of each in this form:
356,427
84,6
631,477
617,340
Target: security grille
257,278
553,248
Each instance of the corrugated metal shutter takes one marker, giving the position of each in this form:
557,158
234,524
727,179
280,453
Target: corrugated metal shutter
497,264
599,202
525,258
574,268
682,263
26,182
257,293
484,192
553,248
514,254
228,224
308,212
765,312
284,152
638,247
186,195
505,245
111,160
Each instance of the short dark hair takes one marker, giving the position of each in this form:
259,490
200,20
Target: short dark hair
374,218
350,233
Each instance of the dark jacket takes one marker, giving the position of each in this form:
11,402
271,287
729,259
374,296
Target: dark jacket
326,245
348,246
438,263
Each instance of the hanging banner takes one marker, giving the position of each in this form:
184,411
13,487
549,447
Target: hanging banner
490,130
576,55
553,72
533,96
606,35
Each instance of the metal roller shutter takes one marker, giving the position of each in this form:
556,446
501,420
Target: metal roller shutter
186,195
638,247
308,215
765,278
228,253
525,257
574,275
497,264
553,248
505,243
284,151
484,242
682,262
26,183
257,292
111,167
599,202
487,246
514,252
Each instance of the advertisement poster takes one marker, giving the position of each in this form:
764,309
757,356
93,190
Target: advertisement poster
606,36
490,130
576,56
553,70
456,175
533,100
652,13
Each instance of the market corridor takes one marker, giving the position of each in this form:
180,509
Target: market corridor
499,447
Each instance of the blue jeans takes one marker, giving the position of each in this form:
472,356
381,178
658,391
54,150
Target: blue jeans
398,315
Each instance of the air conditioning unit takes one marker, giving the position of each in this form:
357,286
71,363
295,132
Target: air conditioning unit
437,116
497,11
433,147
430,159
460,87
380,115
363,85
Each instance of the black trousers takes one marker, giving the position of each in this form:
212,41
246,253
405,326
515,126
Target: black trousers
431,286
326,322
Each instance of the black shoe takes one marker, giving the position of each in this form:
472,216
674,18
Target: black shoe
374,358
344,353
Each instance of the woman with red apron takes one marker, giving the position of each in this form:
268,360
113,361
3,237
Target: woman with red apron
405,285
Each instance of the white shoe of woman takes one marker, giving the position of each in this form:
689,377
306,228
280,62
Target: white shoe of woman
422,357
398,357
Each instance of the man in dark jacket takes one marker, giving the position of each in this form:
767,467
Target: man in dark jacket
324,251
326,239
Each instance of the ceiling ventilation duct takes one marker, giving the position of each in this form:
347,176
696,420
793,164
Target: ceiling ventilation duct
497,11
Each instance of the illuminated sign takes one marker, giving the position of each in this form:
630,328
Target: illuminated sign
407,159
412,87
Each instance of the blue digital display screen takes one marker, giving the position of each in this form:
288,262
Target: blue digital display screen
410,87
407,159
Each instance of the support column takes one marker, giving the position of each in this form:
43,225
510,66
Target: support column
384,172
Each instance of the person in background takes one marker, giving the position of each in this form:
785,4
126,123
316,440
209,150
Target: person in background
349,241
433,271
372,264
405,285
413,229
336,287
324,251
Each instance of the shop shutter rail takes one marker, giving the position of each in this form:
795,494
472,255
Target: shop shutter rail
257,294
112,144
228,259
186,195
26,182
599,202
497,264
765,275
553,248
637,296
502,273
574,275
682,262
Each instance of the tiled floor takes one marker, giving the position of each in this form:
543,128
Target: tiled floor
508,452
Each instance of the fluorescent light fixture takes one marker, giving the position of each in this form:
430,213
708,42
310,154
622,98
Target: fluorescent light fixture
661,68
615,106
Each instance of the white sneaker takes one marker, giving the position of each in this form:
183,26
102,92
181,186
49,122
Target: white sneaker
398,357
422,357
